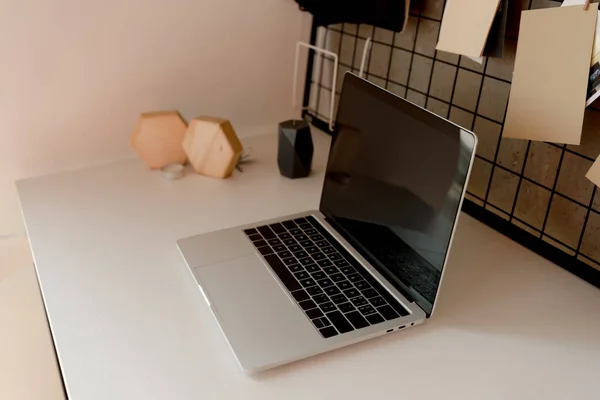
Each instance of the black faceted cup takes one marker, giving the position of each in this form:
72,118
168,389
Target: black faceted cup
295,149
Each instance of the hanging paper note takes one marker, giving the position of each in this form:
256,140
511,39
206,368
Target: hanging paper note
548,93
466,25
594,173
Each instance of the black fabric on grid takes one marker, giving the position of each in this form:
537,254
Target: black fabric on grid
387,14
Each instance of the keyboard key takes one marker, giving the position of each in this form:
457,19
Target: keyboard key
322,243
346,307
317,322
289,224
289,242
387,312
305,243
331,270
316,237
375,319
338,298
328,250
290,261
284,254
357,320
306,261
310,232
340,323
319,275
335,256
295,231
266,232
328,332
314,313
359,301
277,228
314,290
325,321
279,248
344,285
266,250
295,267
325,283
312,249
301,237
320,298
254,238
300,295
282,272
294,248
354,277
327,307
260,243
318,256
274,242
348,270
324,263
302,275
366,310
301,254
301,221
341,263
250,231
307,282
313,268
378,301
362,285
307,304
350,293
285,236
337,277
332,290
370,293
304,226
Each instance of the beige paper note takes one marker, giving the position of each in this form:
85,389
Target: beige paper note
594,173
466,25
549,86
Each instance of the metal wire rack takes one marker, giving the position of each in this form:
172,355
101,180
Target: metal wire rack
533,192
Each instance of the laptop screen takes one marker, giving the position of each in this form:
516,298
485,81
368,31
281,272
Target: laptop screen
394,183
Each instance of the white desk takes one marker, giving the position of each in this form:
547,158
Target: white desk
129,322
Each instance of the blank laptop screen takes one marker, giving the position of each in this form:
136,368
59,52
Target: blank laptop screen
394,183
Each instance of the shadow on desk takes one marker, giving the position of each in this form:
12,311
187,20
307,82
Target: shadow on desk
496,286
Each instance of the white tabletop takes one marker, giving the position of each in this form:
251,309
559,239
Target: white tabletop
129,322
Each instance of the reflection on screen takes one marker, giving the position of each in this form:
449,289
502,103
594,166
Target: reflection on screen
393,185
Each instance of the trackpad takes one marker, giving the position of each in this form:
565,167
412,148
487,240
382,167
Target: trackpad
260,321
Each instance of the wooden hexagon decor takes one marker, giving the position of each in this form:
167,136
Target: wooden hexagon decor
157,138
212,146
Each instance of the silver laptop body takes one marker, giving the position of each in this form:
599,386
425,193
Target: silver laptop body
369,262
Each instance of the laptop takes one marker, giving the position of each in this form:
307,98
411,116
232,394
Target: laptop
368,262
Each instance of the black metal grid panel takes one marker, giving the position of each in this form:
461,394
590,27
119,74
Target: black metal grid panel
534,192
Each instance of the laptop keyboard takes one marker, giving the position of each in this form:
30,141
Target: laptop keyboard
335,292
397,256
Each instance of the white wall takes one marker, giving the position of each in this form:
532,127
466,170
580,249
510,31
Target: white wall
74,75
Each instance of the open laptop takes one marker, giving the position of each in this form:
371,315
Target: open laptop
368,262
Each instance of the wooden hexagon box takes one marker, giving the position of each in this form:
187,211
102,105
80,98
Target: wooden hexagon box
212,146
157,138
